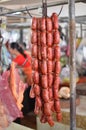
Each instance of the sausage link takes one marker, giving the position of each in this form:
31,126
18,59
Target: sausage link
57,53
44,67
50,53
44,81
34,64
43,24
54,18
36,90
49,24
49,66
50,80
49,39
35,76
34,23
43,38
47,110
34,37
57,67
45,95
56,37
57,106
44,52
34,50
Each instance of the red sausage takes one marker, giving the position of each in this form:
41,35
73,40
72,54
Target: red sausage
57,67
55,92
45,95
38,100
43,24
44,67
37,109
34,50
34,37
39,23
55,21
47,110
59,117
57,53
34,23
50,120
49,66
50,93
36,77
52,105
38,38
40,65
56,82
34,64
56,37
49,39
36,89
57,106
49,24
43,118
44,81
50,53
39,52
44,52
43,38
50,80
32,93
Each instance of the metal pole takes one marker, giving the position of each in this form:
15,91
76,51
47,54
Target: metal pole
72,40
44,10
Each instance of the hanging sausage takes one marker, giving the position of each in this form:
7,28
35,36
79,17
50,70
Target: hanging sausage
46,67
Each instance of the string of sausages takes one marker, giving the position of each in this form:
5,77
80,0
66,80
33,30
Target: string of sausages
46,67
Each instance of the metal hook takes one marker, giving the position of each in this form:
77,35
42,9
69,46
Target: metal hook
28,12
60,10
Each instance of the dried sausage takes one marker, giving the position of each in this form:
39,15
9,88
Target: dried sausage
34,23
45,95
44,67
44,81
56,37
49,39
49,66
44,52
49,24
43,38
43,24
34,50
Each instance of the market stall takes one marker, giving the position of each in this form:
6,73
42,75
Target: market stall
46,94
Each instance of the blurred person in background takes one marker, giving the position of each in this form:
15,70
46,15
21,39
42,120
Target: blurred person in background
23,60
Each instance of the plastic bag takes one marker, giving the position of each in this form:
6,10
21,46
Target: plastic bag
65,75
81,57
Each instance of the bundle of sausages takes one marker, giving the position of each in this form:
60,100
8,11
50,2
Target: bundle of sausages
46,67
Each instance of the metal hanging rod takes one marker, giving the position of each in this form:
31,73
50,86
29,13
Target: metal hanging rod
38,6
